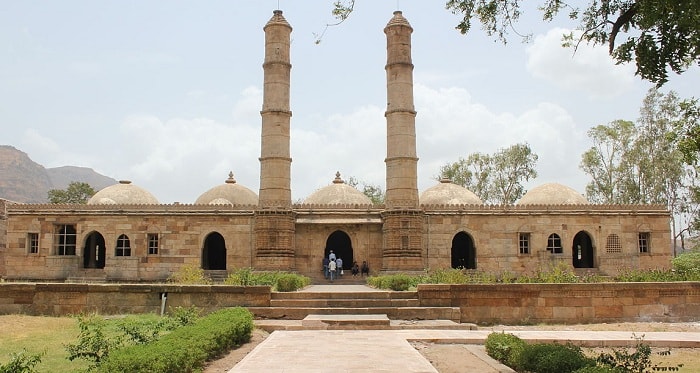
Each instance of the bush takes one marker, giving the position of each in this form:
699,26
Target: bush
687,265
291,282
21,362
279,281
504,347
185,349
552,358
598,369
397,282
189,275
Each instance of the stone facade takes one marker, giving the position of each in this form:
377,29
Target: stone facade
127,237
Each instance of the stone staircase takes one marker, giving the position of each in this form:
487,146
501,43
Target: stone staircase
353,310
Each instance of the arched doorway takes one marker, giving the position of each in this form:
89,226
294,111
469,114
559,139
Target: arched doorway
94,251
214,252
463,251
582,251
341,245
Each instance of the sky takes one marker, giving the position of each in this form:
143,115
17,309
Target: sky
167,94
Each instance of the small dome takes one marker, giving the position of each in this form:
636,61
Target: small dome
338,193
124,193
552,194
228,193
448,193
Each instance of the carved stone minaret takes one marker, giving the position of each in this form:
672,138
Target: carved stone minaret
274,219
403,220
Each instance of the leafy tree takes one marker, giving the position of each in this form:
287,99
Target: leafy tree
494,178
374,192
659,34
76,192
642,163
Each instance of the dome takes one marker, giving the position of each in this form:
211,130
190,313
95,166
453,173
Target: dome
124,193
228,193
448,193
552,194
338,193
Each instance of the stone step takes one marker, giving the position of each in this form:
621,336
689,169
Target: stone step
394,313
346,322
344,303
346,295
339,323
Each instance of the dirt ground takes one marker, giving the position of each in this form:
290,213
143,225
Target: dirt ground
456,358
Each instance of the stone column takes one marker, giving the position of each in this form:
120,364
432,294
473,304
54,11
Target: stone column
274,219
403,220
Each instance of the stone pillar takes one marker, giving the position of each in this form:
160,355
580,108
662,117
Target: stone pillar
403,221
274,220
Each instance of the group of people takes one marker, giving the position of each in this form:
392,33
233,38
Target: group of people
333,267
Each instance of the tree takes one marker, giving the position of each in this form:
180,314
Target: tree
374,192
642,163
76,192
660,34
494,178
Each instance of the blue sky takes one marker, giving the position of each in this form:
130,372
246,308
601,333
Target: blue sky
167,94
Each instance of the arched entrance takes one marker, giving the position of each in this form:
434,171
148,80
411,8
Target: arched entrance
94,251
463,251
341,245
214,252
582,251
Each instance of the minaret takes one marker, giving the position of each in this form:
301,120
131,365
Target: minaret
401,160
403,219
274,219
275,160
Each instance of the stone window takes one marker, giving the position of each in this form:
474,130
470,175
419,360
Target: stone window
33,243
64,239
644,238
153,244
123,246
613,244
554,244
404,242
524,243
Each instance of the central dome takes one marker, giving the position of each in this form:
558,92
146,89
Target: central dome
552,194
448,193
229,193
338,193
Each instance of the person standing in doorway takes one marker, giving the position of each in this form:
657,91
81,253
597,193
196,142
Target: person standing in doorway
325,267
339,265
331,256
331,268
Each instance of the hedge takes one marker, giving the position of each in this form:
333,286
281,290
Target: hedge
186,349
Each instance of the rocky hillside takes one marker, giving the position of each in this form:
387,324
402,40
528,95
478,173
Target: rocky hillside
23,180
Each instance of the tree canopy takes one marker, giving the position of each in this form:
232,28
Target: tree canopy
657,35
76,192
496,178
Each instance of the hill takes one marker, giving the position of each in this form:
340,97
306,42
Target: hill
23,180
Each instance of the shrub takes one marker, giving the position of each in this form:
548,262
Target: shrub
291,282
504,347
552,358
21,362
93,345
185,349
687,265
189,275
597,369
637,360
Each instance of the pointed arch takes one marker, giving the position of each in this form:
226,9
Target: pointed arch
583,254
214,252
341,244
94,251
463,251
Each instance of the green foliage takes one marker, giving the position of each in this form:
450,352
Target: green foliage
637,360
181,316
396,282
647,275
505,348
658,35
687,265
93,344
496,178
189,275
374,192
597,369
279,281
76,192
185,349
555,273
552,358
21,362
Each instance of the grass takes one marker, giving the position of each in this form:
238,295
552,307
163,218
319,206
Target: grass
39,334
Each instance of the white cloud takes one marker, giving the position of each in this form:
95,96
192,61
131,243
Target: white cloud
590,69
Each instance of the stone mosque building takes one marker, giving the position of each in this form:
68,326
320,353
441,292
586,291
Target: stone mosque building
124,234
